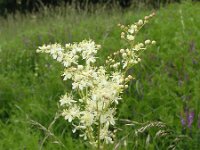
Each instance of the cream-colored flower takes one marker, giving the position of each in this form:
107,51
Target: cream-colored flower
71,113
130,37
67,100
96,90
87,118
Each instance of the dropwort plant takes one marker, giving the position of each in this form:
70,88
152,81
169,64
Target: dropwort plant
96,90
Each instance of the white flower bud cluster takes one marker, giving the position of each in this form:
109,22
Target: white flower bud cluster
129,32
130,56
96,90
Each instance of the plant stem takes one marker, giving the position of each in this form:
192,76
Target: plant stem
99,129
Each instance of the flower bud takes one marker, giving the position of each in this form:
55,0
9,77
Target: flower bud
153,42
115,66
126,86
121,50
153,14
130,37
98,46
140,22
129,53
131,61
130,77
146,21
121,86
122,26
76,56
135,27
146,17
147,42
126,79
80,67
121,80
141,45
124,55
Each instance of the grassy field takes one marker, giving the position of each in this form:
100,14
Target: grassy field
167,80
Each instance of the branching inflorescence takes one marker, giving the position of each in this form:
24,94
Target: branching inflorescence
96,90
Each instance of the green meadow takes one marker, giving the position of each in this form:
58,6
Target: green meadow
166,86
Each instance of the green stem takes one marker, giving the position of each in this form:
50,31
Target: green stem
99,129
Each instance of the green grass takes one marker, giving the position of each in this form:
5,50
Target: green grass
167,79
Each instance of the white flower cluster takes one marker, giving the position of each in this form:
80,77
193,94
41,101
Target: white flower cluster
96,90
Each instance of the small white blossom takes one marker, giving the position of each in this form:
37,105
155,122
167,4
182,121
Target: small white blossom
108,117
140,22
130,37
71,113
147,42
87,118
67,100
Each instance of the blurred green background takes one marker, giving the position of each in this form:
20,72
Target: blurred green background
166,88
8,6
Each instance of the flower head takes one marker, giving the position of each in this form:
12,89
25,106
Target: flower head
96,90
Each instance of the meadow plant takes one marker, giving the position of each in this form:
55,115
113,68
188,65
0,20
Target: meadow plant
96,91
188,119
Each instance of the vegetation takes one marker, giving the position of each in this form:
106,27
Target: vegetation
12,6
166,86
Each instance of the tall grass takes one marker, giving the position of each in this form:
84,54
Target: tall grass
167,80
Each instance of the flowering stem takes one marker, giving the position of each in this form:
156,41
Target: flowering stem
90,135
96,89
99,128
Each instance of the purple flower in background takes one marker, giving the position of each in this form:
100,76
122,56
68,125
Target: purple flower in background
183,121
190,118
187,118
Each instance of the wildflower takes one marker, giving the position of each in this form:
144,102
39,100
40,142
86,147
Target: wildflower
147,42
107,117
131,30
71,113
187,118
190,118
140,22
67,100
183,122
87,118
106,135
153,42
121,50
96,91
130,37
